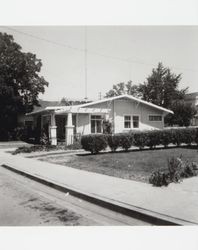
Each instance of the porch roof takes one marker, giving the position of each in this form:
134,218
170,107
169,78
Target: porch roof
80,110
73,109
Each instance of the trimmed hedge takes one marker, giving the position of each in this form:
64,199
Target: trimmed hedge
94,143
177,136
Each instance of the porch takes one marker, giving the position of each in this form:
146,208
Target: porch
67,124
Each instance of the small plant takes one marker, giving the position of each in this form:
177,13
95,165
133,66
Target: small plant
190,170
159,179
175,168
44,140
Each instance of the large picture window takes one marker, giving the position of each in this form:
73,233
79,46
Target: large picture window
96,124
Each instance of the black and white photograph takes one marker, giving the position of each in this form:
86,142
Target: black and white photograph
102,125
99,127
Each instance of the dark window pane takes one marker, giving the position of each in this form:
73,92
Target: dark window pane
92,126
136,121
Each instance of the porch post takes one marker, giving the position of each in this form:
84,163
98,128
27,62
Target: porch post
52,132
69,130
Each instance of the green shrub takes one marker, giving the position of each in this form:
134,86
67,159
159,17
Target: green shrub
159,179
190,170
175,168
94,143
125,141
153,139
140,139
177,136
196,136
113,142
165,137
189,135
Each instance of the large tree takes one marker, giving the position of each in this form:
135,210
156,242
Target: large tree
183,114
162,87
20,81
124,88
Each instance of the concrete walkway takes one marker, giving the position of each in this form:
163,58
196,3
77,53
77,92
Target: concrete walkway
175,204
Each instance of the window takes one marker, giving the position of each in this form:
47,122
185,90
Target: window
135,121
96,124
155,118
127,121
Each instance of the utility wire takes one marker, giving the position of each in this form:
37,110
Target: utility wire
128,60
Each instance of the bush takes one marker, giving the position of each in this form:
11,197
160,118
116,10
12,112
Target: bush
196,136
165,137
159,179
94,143
184,135
113,142
175,168
140,139
153,139
125,141
190,170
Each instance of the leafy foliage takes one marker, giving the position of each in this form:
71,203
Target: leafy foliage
122,88
159,178
183,113
162,87
20,81
94,143
177,169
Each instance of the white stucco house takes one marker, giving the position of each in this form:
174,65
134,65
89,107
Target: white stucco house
123,112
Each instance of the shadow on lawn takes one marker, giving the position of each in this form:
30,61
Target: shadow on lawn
138,150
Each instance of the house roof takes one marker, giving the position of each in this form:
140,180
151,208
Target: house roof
59,107
129,97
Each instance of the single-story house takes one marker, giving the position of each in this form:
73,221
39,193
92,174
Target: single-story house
123,112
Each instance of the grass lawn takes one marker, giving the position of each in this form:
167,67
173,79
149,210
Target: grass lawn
134,165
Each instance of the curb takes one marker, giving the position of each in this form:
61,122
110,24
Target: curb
116,206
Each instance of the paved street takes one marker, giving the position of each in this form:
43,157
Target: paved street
27,203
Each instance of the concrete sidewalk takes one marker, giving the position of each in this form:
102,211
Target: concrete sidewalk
176,204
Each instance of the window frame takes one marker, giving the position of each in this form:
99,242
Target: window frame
153,115
95,125
131,121
127,121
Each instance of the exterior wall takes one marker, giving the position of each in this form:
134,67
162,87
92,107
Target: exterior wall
83,124
121,107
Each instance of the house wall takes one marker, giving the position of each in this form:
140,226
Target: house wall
83,124
121,107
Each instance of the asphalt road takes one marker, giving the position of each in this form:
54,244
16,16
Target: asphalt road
24,202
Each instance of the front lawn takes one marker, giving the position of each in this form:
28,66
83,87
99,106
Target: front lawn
134,165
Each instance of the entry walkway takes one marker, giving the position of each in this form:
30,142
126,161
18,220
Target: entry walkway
176,203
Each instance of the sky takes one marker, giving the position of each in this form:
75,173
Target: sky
114,54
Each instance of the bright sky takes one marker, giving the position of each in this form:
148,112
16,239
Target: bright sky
114,54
